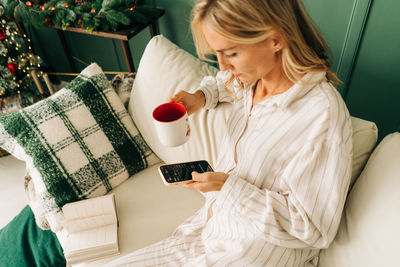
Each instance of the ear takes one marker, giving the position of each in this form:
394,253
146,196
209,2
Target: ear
277,40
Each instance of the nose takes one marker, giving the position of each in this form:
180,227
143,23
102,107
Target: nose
223,63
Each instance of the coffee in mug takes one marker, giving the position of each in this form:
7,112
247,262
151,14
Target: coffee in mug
172,124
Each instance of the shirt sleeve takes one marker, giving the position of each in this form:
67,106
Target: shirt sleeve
306,214
213,89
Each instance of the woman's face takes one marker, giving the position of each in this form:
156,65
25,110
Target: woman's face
248,62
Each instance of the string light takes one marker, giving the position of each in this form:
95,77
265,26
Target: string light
24,62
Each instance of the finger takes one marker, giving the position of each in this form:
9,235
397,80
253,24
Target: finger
199,177
179,100
192,185
181,94
184,184
175,99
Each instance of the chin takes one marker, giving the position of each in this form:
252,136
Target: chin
245,81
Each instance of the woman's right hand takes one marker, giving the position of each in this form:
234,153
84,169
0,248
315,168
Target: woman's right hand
193,102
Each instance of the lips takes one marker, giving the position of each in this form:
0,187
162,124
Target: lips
236,74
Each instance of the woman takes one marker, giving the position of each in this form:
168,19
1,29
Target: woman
284,166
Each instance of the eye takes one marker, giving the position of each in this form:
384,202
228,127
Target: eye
231,55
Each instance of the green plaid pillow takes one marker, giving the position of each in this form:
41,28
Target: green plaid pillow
78,143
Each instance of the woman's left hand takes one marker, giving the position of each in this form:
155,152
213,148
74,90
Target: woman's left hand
207,181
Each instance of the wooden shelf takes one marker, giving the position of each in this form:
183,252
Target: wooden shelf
124,35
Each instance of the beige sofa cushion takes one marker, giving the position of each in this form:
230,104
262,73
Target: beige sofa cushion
164,70
365,135
369,231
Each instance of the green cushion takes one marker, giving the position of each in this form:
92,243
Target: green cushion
78,143
23,243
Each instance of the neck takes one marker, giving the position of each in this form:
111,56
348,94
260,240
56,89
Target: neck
273,84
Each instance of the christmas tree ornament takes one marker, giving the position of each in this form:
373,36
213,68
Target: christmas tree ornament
12,67
3,33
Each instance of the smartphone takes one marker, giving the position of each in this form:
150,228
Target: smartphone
182,172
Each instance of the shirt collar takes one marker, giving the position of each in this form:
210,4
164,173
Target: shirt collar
298,90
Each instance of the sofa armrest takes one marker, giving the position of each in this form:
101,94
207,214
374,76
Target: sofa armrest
369,231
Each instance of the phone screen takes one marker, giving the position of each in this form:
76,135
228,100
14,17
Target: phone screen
183,171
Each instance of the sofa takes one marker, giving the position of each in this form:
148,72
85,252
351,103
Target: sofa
149,211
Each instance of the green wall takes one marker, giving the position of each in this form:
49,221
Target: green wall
374,84
364,36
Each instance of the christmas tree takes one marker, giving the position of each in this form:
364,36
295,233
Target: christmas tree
18,67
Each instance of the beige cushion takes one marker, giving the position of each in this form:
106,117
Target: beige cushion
365,135
369,231
164,70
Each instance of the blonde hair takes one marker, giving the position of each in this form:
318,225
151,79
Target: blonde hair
253,21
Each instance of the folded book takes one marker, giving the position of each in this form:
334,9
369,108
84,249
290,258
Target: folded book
90,230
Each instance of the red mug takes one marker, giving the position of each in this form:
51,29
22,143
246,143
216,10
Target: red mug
172,124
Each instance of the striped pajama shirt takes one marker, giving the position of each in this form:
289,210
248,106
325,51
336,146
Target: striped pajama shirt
289,165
